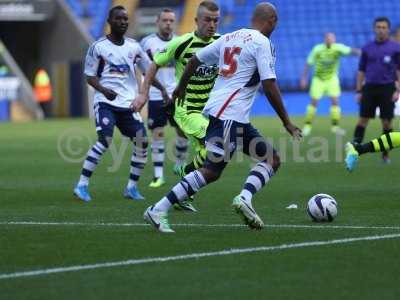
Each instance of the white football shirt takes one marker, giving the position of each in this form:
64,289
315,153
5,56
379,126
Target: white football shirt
152,44
115,66
244,57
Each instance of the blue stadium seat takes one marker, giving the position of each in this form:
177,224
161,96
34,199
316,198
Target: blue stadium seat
302,24
95,10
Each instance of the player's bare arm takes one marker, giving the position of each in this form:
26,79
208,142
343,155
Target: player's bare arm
179,92
149,79
273,94
95,83
304,77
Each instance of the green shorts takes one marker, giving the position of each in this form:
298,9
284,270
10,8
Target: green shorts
320,88
193,125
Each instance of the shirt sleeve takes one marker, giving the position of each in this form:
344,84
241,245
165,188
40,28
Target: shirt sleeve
362,65
265,59
92,61
311,56
211,53
343,49
165,56
142,60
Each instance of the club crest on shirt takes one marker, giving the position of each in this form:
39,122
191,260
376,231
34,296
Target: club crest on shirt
387,59
130,55
105,121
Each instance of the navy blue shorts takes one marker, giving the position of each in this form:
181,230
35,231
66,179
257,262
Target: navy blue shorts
224,137
129,124
159,115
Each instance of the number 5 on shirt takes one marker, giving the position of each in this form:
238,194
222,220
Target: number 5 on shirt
230,62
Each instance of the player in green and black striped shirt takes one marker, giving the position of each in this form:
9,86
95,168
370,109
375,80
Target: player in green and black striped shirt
188,115
325,58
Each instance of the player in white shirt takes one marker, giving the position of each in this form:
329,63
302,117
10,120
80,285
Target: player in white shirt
245,58
110,69
157,111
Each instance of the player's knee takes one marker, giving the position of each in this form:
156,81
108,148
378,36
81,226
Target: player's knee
276,162
210,175
144,144
141,143
158,133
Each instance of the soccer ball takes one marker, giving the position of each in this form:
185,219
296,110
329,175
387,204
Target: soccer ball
322,208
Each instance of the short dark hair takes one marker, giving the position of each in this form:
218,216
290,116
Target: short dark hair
165,10
114,9
210,5
382,19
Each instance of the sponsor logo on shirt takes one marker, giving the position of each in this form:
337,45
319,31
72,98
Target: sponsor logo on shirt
122,69
206,71
387,59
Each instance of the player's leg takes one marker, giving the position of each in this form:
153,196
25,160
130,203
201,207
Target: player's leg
333,91
218,155
268,163
194,126
385,142
181,145
387,128
105,122
131,125
316,93
198,160
158,157
386,107
181,142
156,123
367,111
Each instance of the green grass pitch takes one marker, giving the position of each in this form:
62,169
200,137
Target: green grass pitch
36,186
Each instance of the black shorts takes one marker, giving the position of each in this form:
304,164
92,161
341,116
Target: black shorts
223,137
377,95
159,115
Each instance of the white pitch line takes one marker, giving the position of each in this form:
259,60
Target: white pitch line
195,256
196,225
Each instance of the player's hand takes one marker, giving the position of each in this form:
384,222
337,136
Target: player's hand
166,98
294,131
138,103
303,83
109,94
179,95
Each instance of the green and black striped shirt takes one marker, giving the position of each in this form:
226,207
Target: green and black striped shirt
181,49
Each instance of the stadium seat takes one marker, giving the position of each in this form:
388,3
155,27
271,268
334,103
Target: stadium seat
302,24
93,10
